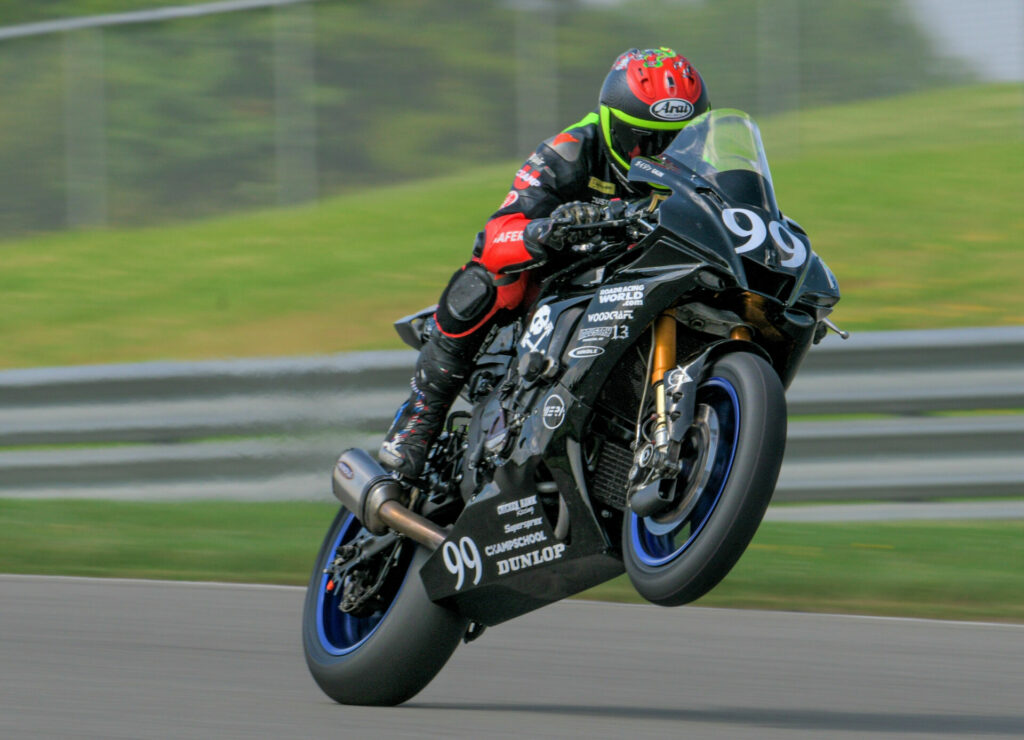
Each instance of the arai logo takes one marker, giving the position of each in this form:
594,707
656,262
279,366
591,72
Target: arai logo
554,412
672,109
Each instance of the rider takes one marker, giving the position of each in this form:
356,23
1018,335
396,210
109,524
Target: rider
647,97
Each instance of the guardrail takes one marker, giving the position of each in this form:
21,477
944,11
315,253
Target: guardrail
933,420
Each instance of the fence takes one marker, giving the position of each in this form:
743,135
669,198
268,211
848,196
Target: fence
907,416
205,108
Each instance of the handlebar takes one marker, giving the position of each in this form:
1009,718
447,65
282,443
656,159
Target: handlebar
635,223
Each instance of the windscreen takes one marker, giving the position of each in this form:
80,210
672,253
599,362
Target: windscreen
724,147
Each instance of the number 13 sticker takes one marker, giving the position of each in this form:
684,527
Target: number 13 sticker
754,231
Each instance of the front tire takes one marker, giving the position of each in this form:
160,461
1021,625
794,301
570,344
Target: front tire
385,658
673,559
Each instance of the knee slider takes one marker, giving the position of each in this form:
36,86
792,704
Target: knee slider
467,300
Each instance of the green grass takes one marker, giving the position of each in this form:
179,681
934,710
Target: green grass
944,570
915,205
323,278
221,541
952,570
913,201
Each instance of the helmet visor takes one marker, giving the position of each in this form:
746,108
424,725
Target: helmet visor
630,140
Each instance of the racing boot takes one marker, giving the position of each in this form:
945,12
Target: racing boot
441,370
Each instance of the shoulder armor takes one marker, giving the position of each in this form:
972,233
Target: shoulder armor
569,144
566,145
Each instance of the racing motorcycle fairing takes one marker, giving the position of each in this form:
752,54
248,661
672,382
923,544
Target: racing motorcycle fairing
529,534
722,193
721,256
504,556
634,420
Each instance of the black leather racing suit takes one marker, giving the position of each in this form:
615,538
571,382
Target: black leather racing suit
572,166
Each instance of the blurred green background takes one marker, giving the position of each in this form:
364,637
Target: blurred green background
189,111
245,183
289,180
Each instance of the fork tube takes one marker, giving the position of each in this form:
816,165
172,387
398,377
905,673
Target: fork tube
664,359
664,347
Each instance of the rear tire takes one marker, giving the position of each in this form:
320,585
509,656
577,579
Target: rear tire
383,659
672,561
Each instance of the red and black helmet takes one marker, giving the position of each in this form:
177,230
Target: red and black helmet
646,99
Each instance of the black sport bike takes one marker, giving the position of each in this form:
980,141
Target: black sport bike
635,419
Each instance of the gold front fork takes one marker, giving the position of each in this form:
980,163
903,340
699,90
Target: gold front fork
664,360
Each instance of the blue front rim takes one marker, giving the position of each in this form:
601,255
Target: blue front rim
666,543
341,633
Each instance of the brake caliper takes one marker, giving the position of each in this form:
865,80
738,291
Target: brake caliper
360,571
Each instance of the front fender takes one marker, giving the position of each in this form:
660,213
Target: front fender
723,346
682,381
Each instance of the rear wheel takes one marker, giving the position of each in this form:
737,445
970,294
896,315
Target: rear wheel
383,654
737,447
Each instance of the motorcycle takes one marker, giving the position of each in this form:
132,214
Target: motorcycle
635,420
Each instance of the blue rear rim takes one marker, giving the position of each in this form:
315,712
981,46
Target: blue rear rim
657,544
342,633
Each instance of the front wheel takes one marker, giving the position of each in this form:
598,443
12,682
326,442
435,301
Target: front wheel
739,437
383,656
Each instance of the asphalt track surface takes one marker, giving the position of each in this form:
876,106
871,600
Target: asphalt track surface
84,658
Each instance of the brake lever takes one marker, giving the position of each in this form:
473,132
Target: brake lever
645,223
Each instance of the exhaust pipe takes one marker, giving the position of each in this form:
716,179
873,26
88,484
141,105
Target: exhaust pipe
375,498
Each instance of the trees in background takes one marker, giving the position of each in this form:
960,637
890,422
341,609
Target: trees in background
401,89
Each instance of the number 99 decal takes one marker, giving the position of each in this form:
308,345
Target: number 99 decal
753,229
462,557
